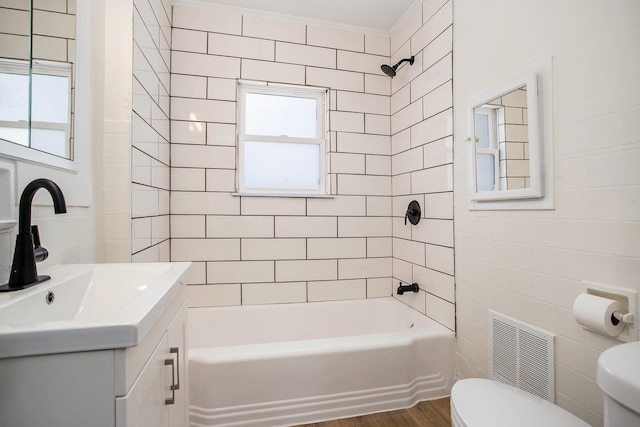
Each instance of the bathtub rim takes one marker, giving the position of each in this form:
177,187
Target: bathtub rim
419,320
244,352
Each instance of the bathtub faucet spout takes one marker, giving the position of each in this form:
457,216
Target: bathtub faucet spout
407,288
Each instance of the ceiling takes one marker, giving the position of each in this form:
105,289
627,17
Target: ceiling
376,15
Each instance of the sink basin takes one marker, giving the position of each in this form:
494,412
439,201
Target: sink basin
618,375
87,307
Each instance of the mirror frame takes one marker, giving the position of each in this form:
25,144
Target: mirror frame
539,195
535,189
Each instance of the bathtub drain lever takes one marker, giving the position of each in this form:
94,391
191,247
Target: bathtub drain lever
407,288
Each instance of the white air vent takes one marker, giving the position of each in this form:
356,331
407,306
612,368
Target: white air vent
521,355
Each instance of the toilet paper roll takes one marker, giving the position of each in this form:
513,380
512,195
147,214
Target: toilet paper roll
594,313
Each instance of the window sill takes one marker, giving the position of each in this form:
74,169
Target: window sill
295,195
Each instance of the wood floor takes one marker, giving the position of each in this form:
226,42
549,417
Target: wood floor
434,413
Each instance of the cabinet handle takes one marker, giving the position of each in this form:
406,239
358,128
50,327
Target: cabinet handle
176,350
172,399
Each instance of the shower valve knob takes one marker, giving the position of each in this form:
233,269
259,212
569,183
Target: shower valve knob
413,213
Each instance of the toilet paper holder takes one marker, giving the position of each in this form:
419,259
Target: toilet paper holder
628,298
618,317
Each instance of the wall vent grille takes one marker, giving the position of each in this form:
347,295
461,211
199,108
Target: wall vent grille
521,355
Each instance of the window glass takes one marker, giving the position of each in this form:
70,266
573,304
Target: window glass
18,136
14,106
482,131
486,171
277,115
277,165
50,100
49,140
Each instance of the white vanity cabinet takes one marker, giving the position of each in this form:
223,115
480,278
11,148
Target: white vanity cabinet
139,386
158,395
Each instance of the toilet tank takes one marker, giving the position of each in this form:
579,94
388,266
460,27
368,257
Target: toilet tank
618,375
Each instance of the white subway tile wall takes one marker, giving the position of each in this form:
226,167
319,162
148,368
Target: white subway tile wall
150,149
422,159
258,250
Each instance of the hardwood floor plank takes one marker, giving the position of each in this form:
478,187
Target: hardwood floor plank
432,413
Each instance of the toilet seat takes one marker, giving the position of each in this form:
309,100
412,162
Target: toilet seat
478,402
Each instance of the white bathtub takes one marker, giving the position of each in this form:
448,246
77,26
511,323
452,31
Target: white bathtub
285,364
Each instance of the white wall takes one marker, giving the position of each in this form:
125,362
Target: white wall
422,159
115,150
530,264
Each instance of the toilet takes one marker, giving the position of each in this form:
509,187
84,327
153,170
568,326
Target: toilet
618,375
478,402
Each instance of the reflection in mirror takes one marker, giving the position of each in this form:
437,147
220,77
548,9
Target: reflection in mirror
14,101
36,108
502,143
506,153
51,108
15,54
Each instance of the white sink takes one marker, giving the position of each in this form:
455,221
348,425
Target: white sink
94,307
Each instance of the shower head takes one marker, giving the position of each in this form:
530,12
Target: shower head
388,70
391,71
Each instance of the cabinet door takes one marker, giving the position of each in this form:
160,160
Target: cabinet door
177,336
145,403
57,390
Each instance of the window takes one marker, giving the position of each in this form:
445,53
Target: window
487,153
14,104
51,108
281,139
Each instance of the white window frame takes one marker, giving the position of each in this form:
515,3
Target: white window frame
493,149
320,95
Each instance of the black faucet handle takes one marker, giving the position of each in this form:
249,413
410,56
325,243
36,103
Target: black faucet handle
413,213
36,236
40,252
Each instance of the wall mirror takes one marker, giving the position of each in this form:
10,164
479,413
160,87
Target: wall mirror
37,56
507,144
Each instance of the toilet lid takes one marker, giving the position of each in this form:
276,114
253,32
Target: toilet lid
477,402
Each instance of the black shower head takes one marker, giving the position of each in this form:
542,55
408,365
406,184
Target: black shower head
391,71
388,70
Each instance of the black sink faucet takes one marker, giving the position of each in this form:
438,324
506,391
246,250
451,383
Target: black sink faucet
28,250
